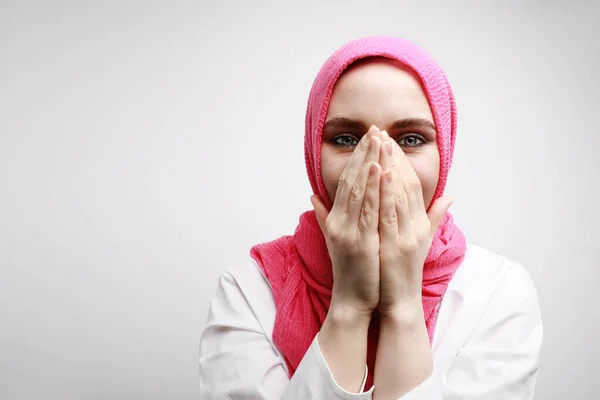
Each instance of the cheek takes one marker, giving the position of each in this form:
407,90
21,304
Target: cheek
332,166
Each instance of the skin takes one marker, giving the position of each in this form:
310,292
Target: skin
379,92
380,227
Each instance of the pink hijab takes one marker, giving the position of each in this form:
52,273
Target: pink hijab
298,266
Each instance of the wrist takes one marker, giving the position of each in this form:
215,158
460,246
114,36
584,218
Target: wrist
344,326
343,342
404,314
348,317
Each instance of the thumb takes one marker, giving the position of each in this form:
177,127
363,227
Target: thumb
320,211
437,211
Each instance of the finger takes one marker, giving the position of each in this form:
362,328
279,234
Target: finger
437,211
401,202
408,179
357,198
388,218
321,211
389,156
386,159
351,171
414,194
374,151
357,195
368,223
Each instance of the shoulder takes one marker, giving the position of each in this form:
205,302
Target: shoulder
501,274
490,299
248,277
245,292
510,318
244,275
489,287
486,277
514,292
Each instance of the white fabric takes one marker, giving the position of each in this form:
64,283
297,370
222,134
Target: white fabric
486,344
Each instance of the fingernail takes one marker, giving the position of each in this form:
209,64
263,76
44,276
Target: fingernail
372,170
389,148
388,176
385,135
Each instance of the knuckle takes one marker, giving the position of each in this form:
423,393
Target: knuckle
389,217
345,183
367,210
337,239
363,222
409,244
333,231
401,198
412,186
356,193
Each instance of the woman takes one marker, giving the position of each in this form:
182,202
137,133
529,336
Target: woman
376,295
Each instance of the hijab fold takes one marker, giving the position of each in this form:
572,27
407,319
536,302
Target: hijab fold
298,266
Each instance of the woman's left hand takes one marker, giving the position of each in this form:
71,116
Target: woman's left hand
406,231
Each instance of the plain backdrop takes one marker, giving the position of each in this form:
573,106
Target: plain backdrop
145,146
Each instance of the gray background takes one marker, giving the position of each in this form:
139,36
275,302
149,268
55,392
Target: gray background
145,146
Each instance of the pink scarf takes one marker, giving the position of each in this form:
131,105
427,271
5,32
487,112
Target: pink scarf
298,266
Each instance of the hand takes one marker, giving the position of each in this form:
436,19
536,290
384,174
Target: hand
406,231
351,229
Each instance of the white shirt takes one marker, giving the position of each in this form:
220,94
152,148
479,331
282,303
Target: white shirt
486,344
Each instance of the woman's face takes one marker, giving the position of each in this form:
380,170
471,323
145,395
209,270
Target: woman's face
386,94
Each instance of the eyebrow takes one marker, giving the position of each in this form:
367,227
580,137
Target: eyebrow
343,122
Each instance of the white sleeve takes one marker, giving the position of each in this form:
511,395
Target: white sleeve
237,360
313,380
500,359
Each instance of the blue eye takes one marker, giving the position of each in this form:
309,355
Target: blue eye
412,141
345,141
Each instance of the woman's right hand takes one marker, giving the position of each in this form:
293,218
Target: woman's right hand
351,229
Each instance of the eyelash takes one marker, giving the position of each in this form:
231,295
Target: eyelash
418,137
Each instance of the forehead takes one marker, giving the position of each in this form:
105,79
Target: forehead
379,91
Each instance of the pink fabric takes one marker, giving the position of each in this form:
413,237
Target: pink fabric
298,266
